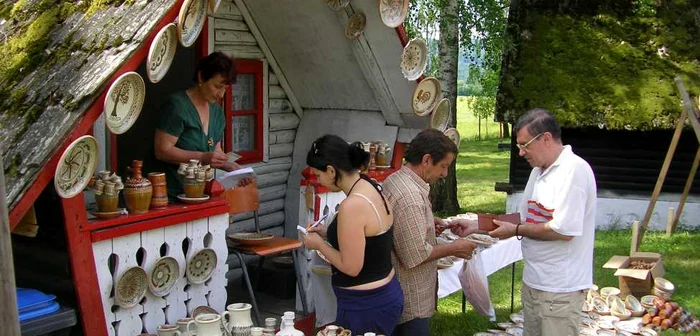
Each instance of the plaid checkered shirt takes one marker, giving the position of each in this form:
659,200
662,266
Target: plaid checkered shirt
414,238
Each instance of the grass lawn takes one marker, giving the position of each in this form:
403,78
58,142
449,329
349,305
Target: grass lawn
479,166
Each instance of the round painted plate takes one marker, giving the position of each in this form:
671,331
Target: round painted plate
131,287
441,116
161,53
192,200
108,214
201,266
214,5
124,102
76,167
191,20
250,238
203,310
393,12
453,134
336,5
426,96
355,26
163,276
414,59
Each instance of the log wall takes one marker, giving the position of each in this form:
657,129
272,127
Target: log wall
232,35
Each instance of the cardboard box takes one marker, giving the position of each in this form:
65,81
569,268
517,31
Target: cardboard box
638,282
486,220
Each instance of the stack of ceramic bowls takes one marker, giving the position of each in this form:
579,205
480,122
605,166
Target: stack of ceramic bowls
663,288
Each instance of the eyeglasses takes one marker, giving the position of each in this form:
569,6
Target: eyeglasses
523,147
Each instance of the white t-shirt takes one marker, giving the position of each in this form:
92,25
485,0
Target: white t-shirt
565,196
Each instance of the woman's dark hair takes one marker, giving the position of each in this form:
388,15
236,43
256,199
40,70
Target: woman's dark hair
217,63
332,150
429,141
538,120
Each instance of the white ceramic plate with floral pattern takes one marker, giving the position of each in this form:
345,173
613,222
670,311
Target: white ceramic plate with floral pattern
131,287
453,134
193,13
124,101
426,96
393,12
414,59
161,53
355,26
336,5
201,266
440,119
76,167
163,276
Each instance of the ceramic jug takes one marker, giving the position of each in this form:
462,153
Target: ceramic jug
137,190
168,330
205,325
238,322
159,199
182,325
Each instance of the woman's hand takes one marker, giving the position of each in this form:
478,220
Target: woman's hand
216,159
312,241
320,229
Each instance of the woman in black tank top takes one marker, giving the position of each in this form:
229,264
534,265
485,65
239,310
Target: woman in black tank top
359,240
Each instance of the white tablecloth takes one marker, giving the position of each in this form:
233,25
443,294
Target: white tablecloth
499,255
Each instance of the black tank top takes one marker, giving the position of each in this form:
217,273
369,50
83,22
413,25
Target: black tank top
377,263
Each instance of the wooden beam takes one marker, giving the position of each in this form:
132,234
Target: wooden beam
372,72
662,174
9,317
243,9
689,108
686,190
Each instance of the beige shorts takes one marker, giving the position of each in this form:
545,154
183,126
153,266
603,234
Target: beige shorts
551,314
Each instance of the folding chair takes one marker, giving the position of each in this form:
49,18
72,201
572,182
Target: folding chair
246,199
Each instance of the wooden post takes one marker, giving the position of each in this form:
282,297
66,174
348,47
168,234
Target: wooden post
635,237
688,107
669,222
686,190
9,317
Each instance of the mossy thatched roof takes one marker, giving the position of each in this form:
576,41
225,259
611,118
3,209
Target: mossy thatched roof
55,59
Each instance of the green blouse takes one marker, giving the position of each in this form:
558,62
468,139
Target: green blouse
179,117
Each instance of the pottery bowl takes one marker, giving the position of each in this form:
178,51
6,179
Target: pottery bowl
664,285
606,291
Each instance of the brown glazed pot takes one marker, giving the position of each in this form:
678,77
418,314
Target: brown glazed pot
193,188
107,203
160,191
137,189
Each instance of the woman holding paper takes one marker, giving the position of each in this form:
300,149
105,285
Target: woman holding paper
361,235
191,123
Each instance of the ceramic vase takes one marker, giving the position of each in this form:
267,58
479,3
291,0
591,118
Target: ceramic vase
159,199
107,202
205,325
238,322
193,188
137,190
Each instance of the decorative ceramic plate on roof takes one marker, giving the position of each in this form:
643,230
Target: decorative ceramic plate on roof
426,96
201,266
336,5
355,26
161,53
441,115
163,276
453,134
190,21
124,101
393,12
214,5
414,59
131,287
76,167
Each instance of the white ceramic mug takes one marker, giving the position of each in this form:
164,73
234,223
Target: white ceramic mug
168,330
182,325
206,325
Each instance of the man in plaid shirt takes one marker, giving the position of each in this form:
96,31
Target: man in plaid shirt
416,252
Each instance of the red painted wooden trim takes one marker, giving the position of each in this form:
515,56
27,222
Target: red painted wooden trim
399,151
401,32
157,222
83,125
317,206
173,209
255,67
202,43
87,287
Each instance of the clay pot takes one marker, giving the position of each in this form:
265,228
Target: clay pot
193,188
137,189
107,202
160,191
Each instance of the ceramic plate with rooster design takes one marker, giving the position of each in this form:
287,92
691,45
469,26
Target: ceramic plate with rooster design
426,96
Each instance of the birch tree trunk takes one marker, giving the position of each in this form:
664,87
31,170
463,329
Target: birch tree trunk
444,192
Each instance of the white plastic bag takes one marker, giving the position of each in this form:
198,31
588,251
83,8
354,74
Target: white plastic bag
476,286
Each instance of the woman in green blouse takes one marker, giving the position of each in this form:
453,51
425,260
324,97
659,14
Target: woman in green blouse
191,123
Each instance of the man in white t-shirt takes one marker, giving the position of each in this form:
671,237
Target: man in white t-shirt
557,227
